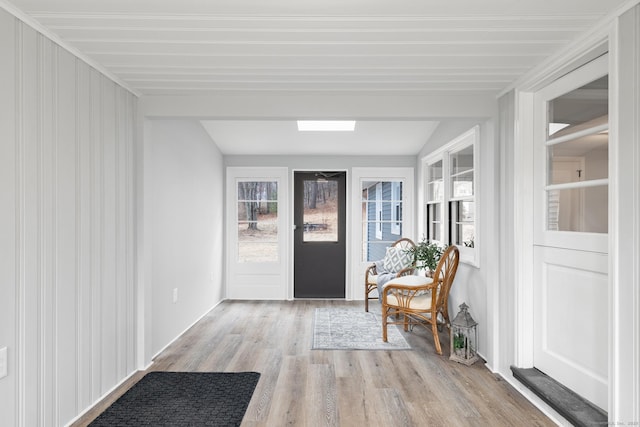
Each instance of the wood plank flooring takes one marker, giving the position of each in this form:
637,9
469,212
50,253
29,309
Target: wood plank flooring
303,387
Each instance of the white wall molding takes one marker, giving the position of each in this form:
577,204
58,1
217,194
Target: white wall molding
20,226
523,232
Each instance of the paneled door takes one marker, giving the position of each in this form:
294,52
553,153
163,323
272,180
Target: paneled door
571,231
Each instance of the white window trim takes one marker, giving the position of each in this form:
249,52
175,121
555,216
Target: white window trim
396,205
379,211
469,138
428,201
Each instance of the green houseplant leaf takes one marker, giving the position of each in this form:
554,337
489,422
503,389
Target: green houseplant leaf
427,254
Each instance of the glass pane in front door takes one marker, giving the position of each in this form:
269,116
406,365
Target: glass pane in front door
320,216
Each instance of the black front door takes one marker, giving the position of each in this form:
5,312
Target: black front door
319,237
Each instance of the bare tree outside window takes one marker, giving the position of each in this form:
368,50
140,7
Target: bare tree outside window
257,221
320,210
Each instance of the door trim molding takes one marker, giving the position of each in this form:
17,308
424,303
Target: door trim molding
624,219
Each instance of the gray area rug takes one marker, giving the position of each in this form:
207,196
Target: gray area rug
182,399
353,329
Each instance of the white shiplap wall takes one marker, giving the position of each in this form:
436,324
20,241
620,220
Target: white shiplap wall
68,136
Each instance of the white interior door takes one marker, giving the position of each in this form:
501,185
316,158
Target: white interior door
571,231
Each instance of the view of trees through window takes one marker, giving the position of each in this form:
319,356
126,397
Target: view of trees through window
257,221
320,215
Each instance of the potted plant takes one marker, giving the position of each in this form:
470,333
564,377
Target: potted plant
458,343
427,255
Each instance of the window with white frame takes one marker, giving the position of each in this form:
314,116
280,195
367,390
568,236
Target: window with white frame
450,199
435,198
382,215
396,207
379,210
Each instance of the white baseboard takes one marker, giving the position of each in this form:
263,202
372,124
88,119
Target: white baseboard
186,329
141,370
90,407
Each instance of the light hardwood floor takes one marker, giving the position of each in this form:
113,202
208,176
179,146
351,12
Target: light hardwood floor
303,387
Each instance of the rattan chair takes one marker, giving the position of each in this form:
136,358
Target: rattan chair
421,301
371,275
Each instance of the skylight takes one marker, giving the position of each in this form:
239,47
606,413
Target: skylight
326,125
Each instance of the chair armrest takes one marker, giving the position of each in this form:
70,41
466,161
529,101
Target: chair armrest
371,270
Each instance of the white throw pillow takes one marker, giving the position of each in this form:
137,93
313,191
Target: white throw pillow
396,259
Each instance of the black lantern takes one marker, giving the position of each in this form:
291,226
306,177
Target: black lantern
464,337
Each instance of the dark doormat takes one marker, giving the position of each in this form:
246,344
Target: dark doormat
183,399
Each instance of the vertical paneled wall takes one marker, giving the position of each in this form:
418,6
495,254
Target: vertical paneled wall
73,137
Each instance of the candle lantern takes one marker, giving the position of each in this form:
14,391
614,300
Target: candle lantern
464,337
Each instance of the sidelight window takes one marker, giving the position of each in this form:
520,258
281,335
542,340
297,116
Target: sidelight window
382,207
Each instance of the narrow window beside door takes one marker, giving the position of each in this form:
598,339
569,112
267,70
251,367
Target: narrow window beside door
382,207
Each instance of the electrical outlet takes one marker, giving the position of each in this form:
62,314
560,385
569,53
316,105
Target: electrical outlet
175,295
3,362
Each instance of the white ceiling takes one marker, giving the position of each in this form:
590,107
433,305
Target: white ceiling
191,46
280,137
222,47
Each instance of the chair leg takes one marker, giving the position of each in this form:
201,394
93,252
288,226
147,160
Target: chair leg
367,291
436,338
384,324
